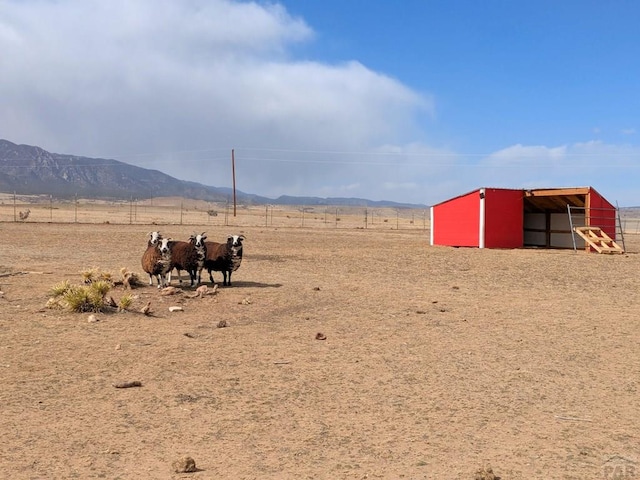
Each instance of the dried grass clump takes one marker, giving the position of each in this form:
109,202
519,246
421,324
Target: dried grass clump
125,302
80,298
95,275
89,298
60,289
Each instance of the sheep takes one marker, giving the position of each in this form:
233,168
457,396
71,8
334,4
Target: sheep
224,257
189,256
156,260
151,254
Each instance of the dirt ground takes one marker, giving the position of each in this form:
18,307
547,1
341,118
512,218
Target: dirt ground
436,363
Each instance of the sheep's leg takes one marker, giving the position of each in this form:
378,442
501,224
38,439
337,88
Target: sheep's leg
211,277
150,280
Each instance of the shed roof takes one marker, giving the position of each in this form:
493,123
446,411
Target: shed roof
555,199
546,199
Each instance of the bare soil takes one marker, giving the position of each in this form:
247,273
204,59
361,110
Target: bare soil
432,362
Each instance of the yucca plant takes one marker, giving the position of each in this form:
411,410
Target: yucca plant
78,299
90,275
125,302
60,289
106,277
87,298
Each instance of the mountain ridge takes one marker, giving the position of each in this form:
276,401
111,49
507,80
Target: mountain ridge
31,170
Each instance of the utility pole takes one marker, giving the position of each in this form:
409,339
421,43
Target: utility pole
233,173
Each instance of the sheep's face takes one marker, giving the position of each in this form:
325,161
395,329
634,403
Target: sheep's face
235,242
154,238
198,240
164,246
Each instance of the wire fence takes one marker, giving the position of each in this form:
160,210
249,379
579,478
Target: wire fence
186,212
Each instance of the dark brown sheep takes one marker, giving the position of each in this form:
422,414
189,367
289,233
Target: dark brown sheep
224,257
189,256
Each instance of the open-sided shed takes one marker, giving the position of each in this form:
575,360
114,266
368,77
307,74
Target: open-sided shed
515,218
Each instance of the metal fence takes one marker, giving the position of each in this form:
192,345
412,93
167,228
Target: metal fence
187,212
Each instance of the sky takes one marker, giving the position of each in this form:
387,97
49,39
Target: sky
412,101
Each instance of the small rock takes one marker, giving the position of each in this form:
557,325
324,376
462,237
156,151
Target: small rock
486,473
118,347
202,290
317,289
222,324
92,318
184,465
320,336
246,301
176,309
170,290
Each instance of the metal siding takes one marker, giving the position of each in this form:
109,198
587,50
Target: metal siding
602,213
504,218
455,222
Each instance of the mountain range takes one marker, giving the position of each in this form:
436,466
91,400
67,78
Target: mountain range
30,170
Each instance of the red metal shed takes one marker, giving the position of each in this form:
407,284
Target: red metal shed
515,218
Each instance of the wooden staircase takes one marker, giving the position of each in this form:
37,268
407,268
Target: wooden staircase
598,240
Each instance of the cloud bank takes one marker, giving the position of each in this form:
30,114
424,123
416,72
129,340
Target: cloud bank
175,86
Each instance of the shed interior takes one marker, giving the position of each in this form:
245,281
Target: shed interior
546,217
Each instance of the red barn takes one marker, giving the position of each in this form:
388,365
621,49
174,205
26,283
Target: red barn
510,218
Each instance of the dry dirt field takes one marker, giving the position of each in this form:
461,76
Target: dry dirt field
437,361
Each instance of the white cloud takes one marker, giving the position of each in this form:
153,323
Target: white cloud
175,85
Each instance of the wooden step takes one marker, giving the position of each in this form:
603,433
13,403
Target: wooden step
598,240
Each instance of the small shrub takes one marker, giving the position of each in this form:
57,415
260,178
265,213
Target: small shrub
60,289
101,287
80,299
89,276
125,302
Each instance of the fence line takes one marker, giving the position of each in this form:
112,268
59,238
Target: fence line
150,212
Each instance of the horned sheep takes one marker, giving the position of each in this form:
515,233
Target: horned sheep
224,257
189,256
156,260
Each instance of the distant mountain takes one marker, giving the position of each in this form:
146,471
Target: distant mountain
29,170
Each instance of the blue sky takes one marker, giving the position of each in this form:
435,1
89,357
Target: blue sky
412,101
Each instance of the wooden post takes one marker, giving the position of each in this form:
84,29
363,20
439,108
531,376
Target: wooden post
233,173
